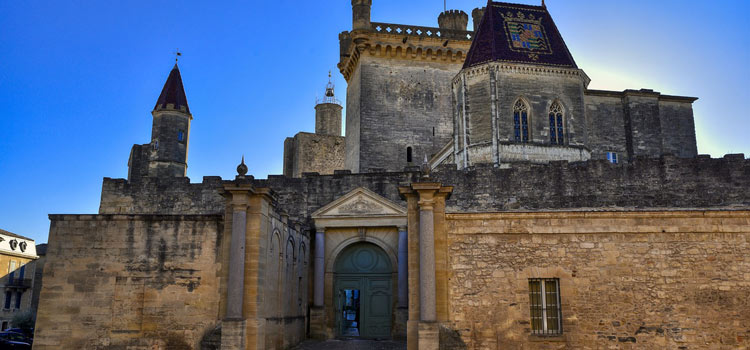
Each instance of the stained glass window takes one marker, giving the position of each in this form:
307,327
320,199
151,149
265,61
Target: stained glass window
556,124
521,121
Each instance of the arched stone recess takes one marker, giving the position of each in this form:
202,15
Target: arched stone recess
331,261
358,217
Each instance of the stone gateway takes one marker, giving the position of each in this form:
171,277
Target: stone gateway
482,198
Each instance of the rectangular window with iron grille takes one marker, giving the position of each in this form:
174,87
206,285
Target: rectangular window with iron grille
544,301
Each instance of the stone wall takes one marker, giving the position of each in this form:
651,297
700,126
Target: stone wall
284,270
401,104
639,123
605,121
167,195
666,182
130,282
537,88
318,153
628,280
353,124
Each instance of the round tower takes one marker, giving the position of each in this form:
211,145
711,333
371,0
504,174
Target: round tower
476,16
328,112
453,19
361,14
170,130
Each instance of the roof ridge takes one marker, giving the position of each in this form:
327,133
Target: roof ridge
8,233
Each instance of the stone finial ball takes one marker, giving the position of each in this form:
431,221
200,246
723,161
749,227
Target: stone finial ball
242,168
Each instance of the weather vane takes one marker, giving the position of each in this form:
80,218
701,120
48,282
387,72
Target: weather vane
177,55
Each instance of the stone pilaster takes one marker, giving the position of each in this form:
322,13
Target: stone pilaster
317,312
423,198
234,326
403,268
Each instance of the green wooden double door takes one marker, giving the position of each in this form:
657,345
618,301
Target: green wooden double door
363,292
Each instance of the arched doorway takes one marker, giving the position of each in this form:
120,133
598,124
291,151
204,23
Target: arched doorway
363,292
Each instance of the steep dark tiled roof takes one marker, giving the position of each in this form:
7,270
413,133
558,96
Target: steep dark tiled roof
518,34
173,92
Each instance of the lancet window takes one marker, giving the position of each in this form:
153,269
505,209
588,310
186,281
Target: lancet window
521,121
556,124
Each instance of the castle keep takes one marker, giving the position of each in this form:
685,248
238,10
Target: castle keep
482,197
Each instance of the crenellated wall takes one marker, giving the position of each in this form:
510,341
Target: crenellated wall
666,182
166,195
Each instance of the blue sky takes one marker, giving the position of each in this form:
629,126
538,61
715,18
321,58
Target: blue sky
78,80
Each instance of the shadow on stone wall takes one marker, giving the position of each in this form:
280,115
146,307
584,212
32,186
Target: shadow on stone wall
450,339
212,339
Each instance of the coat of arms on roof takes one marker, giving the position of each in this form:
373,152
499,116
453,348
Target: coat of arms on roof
526,34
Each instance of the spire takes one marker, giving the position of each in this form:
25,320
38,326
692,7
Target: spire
173,93
329,86
329,96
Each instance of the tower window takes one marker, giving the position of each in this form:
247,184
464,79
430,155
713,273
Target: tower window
556,125
544,300
521,121
156,145
180,136
612,157
408,154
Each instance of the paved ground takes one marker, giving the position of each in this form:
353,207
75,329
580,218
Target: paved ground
351,345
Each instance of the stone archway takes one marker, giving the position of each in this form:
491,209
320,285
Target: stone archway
363,292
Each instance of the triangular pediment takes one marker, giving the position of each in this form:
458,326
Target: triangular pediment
360,202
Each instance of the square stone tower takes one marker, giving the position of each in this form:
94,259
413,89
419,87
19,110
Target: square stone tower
398,105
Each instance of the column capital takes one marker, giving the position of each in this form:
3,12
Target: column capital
402,228
238,195
425,192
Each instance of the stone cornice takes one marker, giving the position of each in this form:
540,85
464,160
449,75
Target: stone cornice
519,68
404,47
641,93
605,213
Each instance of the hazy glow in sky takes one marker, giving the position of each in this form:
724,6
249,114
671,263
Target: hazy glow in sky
78,80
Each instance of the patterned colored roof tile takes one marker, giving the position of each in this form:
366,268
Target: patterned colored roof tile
519,34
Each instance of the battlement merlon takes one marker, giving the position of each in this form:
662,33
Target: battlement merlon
447,44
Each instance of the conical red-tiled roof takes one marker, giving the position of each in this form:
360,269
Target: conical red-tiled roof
173,92
518,33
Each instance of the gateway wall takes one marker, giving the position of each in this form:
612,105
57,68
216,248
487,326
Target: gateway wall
130,282
628,280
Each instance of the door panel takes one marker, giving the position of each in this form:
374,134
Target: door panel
377,308
367,268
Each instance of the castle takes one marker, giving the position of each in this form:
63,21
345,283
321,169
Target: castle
482,198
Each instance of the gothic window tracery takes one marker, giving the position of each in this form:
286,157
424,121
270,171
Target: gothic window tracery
556,124
521,121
